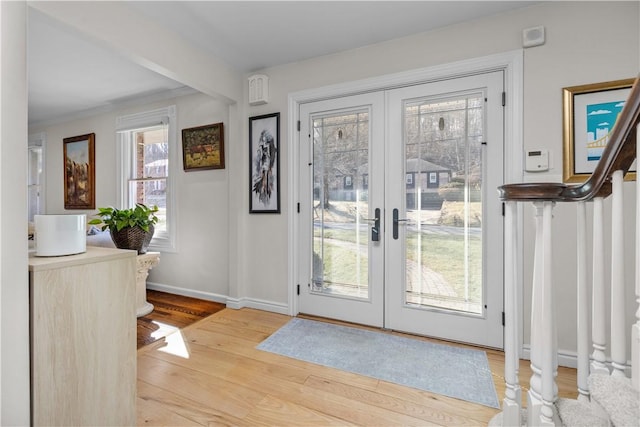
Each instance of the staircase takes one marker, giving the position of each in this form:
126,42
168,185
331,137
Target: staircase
607,395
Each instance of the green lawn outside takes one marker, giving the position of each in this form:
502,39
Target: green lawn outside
341,264
441,253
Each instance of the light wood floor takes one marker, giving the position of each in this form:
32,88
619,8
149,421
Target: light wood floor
219,378
176,311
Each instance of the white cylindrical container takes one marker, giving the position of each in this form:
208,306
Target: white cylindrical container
58,235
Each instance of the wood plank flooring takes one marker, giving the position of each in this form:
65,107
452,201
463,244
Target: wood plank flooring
210,373
169,312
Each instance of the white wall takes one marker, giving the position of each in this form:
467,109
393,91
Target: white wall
587,42
14,280
201,262
199,267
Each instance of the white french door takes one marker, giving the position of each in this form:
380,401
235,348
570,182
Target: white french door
401,225
342,189
444,221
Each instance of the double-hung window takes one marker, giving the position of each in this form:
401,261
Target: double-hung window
146,165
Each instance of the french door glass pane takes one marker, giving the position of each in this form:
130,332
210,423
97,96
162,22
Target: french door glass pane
340,204
443,181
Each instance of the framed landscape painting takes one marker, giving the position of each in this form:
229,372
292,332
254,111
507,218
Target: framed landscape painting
79,172
264,163
203,147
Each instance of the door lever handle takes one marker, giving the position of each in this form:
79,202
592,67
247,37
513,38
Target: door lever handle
375,230
397,220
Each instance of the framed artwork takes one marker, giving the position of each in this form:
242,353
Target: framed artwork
589,114
203,147
79,172
264,163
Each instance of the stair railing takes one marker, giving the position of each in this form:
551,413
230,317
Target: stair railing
607,179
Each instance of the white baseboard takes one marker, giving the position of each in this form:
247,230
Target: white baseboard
565,357
235,303
187,292
258,304
569,359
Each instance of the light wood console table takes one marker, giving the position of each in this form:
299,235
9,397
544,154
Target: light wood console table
83,338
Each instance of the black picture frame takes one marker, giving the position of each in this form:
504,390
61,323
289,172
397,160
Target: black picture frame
264,163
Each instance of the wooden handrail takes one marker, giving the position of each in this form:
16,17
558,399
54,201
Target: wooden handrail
619,154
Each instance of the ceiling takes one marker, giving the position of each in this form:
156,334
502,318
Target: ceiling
70,77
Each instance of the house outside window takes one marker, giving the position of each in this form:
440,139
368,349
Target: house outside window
348,182
409,180
147,150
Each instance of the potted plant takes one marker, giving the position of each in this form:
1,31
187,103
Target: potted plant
129,228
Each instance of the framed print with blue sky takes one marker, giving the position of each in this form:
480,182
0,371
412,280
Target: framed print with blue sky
589,114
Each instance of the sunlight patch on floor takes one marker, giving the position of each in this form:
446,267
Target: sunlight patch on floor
174,341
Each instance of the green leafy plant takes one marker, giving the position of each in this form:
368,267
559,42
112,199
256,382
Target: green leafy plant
141,216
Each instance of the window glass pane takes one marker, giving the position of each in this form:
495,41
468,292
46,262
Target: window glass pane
443,152
149,183
341,234
152,153
152,192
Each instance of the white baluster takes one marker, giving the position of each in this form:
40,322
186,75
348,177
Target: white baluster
511,415
583,305
534,396
598,317
548,416
618,332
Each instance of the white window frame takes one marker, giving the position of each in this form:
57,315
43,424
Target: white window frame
125,125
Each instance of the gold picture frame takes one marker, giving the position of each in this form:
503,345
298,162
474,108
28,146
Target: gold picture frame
584,135
79,172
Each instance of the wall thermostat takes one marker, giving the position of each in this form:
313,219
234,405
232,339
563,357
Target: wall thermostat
537,161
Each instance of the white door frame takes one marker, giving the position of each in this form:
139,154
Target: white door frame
40,140
513,65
